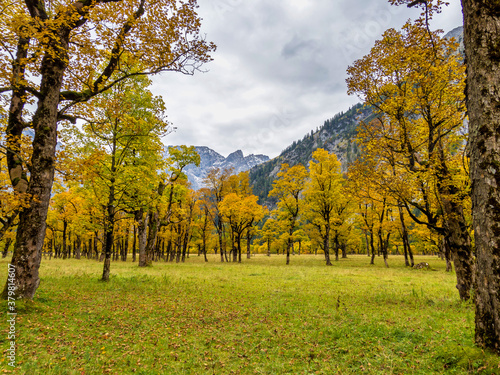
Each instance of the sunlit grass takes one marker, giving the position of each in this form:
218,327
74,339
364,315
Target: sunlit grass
259,317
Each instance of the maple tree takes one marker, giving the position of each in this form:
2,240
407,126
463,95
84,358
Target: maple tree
179,157
203,223
268,232
287,188
322,193
119,150
374,206
415,82
241,212
216,182
56,55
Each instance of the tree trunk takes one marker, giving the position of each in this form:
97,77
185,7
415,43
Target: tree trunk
134,243
404,233
219,233
326,245
367,243
336,245
32,219
125,247
249,239
64,240
238,240
372,261
96,250
142,224
482,46
289,245
153,219
110,225
343,248
78,247
185,245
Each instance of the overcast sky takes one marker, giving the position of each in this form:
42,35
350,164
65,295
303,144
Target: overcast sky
279,70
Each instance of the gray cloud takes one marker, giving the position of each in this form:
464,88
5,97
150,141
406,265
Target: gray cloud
279,70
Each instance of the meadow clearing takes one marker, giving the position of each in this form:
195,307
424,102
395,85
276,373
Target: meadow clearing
258,317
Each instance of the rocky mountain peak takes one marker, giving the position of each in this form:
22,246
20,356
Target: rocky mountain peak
211,159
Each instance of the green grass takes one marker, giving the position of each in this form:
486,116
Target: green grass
259,317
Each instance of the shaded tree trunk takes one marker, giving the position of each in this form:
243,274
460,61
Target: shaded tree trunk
32,220
134,244
249,239
326,245
482,41
142,224
343,247
78,247
372,261
64,240
153,219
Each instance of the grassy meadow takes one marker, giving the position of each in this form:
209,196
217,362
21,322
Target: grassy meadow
258,317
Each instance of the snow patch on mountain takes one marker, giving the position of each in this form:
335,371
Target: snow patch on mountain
210,159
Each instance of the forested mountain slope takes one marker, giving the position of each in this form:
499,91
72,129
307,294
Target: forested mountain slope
336,135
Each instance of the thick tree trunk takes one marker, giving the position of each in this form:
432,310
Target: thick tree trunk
31,228
482,48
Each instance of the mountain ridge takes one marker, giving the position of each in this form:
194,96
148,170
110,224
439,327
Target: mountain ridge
211,159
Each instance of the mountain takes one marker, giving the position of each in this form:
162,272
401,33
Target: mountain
336,135
211,159
458,34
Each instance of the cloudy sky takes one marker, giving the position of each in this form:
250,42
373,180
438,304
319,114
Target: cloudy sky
279,69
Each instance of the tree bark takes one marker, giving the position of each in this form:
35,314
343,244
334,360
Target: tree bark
249,239
142,223
134,243
326,244
32,220
482,48
153,224
78,247
372,260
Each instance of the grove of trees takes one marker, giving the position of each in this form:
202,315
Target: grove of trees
84,173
